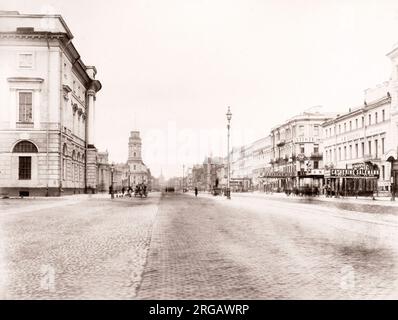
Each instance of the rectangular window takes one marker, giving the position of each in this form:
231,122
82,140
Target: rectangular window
376,117
350,125
301,131
356,151
356,123
363,122
382,145
302,150
25,107
376,148
64,168
339,153
383,172
316,130
363,148
370,119
339,128
25,60
25,168
316,165
316,148
345,153
345,127
370,147
383,115
350,154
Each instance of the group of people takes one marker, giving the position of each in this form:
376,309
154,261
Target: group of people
140,190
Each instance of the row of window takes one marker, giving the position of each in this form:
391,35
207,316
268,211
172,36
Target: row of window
355,151
300,133
353,125
77,171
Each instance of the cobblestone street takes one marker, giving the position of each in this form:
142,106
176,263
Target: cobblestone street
260,248
75,247
177,246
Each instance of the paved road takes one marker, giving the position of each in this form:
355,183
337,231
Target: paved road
257,248
75,247
178,246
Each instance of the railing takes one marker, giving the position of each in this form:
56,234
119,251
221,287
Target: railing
316,155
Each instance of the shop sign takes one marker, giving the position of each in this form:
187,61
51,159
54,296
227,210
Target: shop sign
352,173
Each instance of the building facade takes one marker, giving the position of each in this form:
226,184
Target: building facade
297,160
137,171
358,140
47,98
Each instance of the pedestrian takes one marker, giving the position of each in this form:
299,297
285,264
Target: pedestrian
123,191
196,191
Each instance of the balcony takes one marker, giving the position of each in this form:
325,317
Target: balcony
281,143
316,155
371,157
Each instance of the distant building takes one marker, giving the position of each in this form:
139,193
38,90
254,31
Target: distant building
103,172
137,170
47,98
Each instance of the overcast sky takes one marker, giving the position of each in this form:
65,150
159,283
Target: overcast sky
171,68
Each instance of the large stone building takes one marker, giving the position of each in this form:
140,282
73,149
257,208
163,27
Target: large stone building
358,140
47,99
297,159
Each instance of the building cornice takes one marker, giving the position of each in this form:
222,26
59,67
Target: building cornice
366,107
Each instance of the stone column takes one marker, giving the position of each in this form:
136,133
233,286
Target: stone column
91,117
91,154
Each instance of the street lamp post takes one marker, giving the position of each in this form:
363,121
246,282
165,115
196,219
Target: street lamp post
112,192
229,117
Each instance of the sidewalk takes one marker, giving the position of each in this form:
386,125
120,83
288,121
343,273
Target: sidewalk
379,201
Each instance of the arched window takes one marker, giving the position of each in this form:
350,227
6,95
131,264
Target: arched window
25,147
73,155
25,162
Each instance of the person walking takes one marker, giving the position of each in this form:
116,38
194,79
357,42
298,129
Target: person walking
196,191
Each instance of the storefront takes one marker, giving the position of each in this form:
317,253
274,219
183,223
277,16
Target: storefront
278,181
241,184
310,182
361,181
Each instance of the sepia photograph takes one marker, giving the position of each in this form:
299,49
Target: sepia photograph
198,150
